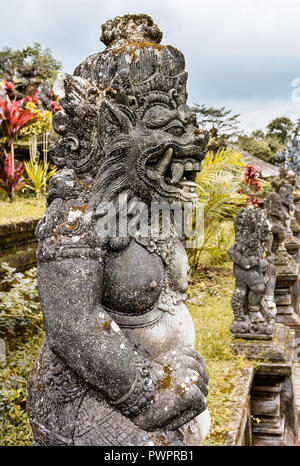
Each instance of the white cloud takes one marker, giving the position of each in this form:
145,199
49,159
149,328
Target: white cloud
238,52
257,115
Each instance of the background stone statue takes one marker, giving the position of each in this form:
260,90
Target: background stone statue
280,209
253,298
118,366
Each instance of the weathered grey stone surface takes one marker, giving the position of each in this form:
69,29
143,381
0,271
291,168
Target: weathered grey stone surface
276,350
253,298
118,365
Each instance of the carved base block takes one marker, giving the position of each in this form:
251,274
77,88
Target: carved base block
286,280
285,305
288,319
273,409
252,330
273,350
284,310
283,298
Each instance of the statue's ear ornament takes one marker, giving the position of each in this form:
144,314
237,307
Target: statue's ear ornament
112,118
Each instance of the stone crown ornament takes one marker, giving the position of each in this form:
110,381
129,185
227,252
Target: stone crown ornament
118,365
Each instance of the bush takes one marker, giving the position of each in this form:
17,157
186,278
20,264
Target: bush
20,309
265,149
14,424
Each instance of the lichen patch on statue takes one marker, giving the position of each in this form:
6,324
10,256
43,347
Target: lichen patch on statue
118,365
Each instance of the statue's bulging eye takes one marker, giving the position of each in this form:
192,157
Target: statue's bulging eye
176,130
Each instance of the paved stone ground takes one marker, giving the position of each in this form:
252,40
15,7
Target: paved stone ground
297,391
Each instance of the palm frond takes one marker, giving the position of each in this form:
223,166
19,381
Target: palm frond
218,186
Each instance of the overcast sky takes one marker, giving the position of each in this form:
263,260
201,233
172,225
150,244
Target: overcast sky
241,54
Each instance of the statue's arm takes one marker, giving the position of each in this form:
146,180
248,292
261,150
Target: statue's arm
79,330
238,258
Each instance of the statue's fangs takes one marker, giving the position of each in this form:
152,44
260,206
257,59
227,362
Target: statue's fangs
118,366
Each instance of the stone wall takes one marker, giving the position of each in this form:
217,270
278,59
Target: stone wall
18,244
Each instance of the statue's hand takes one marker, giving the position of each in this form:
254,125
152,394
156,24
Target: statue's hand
185,357
252,261
180,394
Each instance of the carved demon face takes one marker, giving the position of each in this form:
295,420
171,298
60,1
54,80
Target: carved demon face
161,144
150,145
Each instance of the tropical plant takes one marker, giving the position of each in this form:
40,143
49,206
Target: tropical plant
218,190
11,179
261,146
13,118
218,121
37,176
280,127
16,65
43,125
20,309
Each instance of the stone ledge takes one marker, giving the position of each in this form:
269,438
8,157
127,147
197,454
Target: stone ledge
240,415
18,244
24,225
277,350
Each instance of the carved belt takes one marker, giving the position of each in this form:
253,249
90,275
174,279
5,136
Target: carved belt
133,320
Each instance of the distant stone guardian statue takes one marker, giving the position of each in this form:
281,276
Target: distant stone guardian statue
118,365
280,209
253,298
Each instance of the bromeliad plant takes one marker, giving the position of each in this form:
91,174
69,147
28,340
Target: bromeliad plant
37,176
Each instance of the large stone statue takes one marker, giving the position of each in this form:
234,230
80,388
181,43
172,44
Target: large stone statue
118,366
253,298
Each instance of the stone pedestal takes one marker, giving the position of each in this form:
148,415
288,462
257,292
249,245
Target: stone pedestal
273,408
286,279
295,227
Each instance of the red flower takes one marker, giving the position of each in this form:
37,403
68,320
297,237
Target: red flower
252,200
14,117
250,178
55,106
11,180
250,174
9,89
9,86
33,99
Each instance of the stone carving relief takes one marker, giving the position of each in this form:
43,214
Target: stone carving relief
254,270
118,365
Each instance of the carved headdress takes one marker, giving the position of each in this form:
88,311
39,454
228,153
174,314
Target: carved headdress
124,120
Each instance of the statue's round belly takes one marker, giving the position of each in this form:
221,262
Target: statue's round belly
133,280
170,332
